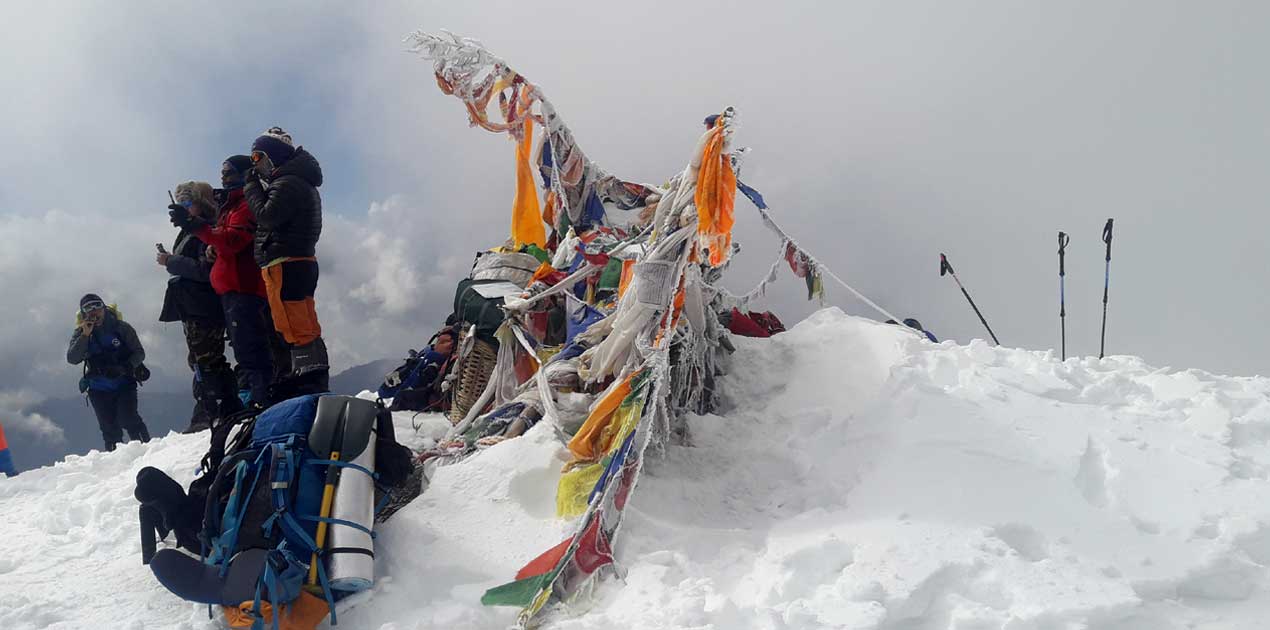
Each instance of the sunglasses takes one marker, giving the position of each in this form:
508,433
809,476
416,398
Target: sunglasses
91,306
257,156
186,202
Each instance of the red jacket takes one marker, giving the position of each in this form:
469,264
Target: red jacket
235,269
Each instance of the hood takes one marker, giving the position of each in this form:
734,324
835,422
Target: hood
201,193
302,165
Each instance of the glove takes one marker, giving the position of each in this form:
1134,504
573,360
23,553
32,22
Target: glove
180,217
263,168
141,374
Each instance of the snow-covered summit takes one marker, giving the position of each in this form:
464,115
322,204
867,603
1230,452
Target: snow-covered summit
857,477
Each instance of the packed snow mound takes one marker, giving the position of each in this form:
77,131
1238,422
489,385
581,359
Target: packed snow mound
857,477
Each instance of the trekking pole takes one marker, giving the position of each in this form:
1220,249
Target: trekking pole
1063,239
945,268
1106,282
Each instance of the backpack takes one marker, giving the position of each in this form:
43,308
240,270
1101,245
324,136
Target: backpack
263,527
406,376
473,307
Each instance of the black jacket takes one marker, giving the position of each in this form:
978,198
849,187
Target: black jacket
189,294
289,214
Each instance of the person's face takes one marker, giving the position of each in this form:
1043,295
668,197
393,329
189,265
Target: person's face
444,345
229,178
187,202
95,315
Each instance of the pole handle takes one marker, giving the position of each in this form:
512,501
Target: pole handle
1063,239
1106,237
944,267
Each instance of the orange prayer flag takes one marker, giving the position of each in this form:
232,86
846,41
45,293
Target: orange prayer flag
526,217
715,198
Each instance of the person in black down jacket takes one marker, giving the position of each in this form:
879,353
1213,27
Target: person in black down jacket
281,191
191,301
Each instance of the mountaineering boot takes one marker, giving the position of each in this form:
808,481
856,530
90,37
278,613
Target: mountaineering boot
309,357
142,434
200,420
310,367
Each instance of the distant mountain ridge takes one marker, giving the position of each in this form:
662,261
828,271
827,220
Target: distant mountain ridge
163,412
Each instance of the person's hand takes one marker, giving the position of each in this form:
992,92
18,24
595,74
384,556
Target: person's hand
210,254
162,258
182,219
86,327
179,215
263,167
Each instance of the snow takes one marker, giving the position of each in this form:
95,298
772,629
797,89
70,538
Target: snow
857,477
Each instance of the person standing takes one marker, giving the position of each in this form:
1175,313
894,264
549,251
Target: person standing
281,191
237,280
112,356
190,300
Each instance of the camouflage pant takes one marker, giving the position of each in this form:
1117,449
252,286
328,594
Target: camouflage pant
213,379
206,344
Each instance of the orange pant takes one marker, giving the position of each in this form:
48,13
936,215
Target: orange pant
290,286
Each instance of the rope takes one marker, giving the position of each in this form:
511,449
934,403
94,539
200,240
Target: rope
757,200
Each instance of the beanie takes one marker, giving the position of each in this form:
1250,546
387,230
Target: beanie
277,144
239,164
91,297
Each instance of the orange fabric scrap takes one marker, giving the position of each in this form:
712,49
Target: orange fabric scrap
526,217
304,613
549,209
587,443
628,272
715,198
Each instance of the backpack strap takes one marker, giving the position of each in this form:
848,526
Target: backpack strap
233,520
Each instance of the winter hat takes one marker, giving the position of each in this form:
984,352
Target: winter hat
200,193
277,144
89,298
239,164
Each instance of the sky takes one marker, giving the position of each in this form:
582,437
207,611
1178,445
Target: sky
883,133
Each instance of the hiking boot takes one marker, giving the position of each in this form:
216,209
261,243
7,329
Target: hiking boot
310,357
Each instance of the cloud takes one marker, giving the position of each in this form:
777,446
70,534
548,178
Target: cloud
884,133
34,425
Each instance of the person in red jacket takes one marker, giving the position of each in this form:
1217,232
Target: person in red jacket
236,279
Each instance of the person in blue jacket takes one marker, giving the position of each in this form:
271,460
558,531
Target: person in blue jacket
112,356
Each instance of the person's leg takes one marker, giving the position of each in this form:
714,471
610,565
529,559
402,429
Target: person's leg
104,407
291,287
127,415
309,360
249,335
206,343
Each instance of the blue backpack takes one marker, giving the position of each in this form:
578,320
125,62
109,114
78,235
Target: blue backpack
404,377
264,508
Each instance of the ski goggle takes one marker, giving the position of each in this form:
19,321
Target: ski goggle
257,156
186,202
89,307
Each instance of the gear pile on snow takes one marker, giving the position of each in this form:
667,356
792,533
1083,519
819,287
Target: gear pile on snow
606,325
